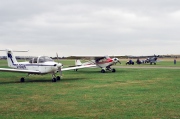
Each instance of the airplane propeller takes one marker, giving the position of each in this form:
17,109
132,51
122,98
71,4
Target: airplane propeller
57,57
59,65
60,71
116,60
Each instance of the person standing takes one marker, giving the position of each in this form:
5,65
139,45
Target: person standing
174,60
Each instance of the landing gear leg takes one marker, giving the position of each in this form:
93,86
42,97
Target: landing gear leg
54,78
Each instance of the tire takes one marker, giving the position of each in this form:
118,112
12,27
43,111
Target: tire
113,70
103,71
58,78
22,79
54,80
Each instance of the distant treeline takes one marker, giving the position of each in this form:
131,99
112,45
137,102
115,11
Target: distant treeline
80,57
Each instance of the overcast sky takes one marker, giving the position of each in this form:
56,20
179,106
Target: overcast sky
90,27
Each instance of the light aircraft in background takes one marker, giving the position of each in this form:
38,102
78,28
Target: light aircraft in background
38,66
152,59
104,63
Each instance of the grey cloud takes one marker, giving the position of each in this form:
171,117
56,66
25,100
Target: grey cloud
91,25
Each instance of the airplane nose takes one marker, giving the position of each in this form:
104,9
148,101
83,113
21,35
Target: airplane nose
116,60
59,65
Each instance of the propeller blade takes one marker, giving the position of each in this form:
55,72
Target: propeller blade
57,57
60,71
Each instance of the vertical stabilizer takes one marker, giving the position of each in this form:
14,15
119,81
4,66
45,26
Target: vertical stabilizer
11,59
78,63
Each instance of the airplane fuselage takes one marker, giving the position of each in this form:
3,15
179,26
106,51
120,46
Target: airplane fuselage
44,68
42,64
104,63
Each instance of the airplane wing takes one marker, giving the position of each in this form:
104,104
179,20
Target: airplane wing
19,70
96,58
78,67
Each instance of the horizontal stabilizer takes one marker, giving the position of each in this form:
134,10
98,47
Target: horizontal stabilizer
78,63
15,50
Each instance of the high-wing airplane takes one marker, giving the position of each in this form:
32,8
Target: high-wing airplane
104,63
38,66
152,59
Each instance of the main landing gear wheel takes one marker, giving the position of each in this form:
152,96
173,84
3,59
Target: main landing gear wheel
58,78
54,80
22,79
103,71
113,70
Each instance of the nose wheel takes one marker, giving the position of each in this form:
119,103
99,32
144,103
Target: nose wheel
54,79
58,78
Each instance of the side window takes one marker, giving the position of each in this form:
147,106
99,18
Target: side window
30,61
35,60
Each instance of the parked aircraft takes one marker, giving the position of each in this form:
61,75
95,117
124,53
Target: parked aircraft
152,59
130,62
104,63
139,61
38,66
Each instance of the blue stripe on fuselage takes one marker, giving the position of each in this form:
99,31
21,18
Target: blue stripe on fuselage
32,65
24,66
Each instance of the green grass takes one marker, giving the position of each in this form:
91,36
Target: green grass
128,93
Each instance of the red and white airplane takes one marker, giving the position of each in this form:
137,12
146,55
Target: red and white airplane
38,66
104,63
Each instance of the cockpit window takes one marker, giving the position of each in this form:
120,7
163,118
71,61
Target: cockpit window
44,59
41,60
48,59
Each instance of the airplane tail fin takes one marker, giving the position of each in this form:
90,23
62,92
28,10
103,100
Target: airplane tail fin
11,59
78,63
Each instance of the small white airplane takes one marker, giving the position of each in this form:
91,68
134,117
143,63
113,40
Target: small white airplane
104,63
38,66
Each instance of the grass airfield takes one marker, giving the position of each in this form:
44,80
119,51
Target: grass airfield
128,93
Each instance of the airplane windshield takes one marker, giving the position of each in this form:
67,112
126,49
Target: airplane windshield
45,59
